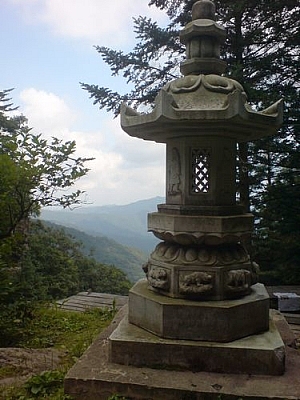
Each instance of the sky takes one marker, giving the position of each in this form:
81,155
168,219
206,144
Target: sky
47,49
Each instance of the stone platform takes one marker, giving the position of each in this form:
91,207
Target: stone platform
257,354
93,377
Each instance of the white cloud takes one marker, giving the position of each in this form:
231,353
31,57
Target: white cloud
47,112
125,169
136,152
108,22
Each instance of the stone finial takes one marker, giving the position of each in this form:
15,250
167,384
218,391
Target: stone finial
203,37
204,9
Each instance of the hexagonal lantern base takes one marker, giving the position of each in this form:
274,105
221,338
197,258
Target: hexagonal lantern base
218,321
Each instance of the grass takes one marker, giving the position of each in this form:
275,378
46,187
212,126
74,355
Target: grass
70,332
8,371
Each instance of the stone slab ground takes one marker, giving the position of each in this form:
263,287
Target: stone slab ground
94,378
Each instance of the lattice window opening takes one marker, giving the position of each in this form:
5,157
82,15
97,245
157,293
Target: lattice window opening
200,170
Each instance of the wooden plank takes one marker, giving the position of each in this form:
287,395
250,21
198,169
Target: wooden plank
99,297
105,295
86,300
90,301
104,299
83,307
78,307
71,308
88,304
99,303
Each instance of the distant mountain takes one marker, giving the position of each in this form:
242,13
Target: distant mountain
126,224
107,251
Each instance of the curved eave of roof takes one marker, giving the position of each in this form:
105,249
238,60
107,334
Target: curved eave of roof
235,119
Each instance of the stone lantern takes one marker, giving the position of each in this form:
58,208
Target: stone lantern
201,285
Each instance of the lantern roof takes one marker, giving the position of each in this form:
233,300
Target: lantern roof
202,101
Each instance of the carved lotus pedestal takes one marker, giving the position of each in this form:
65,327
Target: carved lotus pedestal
201,256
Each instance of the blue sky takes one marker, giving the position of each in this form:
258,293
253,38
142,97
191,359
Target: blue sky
46,50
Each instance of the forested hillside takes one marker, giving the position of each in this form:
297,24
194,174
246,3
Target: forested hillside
107,251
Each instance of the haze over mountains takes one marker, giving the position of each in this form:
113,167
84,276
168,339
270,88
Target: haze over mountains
113,235
126,224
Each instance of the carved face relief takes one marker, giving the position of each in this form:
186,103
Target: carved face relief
238,280
159,278
195,283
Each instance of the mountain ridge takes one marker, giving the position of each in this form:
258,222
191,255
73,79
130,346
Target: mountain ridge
107,251
126,224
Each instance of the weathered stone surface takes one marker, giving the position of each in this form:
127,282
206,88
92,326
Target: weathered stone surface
200,273
201,170
230,117
282,325
220,321
188,209
262,354
202,37
93,377
197,229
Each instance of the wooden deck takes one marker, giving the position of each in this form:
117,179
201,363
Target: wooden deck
86,300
